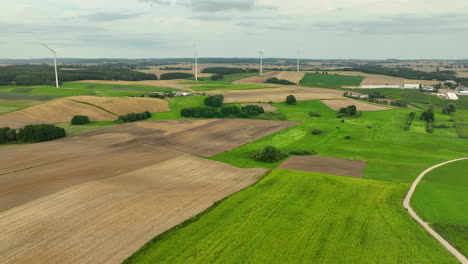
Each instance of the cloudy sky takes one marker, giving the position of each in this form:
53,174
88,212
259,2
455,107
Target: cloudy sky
332,29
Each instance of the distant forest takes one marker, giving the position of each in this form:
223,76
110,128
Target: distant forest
26,75
406,73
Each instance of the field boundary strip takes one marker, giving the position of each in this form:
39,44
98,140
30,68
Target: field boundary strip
103,109
427,227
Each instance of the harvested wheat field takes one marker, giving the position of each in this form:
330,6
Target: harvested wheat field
121,185
266,107
277,94
156,83
96,108
61,110
106,220
361,106
328,165
295,77
125,105
17,122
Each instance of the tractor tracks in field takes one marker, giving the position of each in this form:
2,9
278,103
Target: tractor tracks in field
426,226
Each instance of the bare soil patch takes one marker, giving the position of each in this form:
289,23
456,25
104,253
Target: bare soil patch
326,165
266,107
361,106
125,105
97,197
106,220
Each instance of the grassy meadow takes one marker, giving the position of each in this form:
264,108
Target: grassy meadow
300,217
332,81
377,137
441,199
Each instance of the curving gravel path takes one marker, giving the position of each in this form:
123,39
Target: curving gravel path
406,204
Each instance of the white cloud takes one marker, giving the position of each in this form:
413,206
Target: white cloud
165,28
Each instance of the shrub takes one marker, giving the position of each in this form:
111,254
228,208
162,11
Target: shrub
441,126
290,99
279,81
429,127
427,116
409,120
39,133
80,120
200,112
253,110
314,114
316,132
4,135
243,115
157,95
448,109
347,137
230,110
271,116
269,154
214,100
175,75
217,77
302,152
350,110
133,117
399,103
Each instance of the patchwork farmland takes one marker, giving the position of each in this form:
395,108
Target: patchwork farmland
298,182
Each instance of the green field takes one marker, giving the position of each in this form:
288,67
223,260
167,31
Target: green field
392,153
228,79
441,199
332,81
207,87
299,217
76,129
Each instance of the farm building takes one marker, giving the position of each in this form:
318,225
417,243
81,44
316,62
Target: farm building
372,86
463,93
452,96
411,86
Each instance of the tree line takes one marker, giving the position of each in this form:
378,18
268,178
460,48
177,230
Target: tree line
27,75
31,133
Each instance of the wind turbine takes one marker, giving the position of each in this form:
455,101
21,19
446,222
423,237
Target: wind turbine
261,62
55,64
196,60
298,60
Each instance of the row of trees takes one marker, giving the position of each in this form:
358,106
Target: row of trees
27,75
409,120
227,70
279,81
407,73
225,111
132,117
214,100
31,133
175,75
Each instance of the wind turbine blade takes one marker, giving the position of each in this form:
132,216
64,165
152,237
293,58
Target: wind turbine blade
47,47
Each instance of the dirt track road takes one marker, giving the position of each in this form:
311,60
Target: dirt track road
406,204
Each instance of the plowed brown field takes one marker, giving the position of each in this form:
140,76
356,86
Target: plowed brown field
97,197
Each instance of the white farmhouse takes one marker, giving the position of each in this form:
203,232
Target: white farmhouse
411,86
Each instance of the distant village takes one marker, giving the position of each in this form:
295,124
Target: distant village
448,90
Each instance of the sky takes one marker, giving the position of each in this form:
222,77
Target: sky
332,29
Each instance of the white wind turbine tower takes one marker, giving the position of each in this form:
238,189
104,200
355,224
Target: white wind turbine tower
261,62
196,60
298,60
55,64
